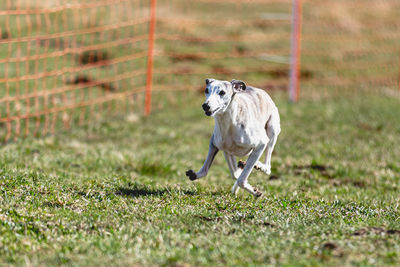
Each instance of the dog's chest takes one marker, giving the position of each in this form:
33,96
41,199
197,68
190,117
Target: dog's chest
234,139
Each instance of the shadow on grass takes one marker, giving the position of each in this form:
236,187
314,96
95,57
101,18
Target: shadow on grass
145,191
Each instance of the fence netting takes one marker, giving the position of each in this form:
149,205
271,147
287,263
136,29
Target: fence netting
248,40
350,47
64,62
67,62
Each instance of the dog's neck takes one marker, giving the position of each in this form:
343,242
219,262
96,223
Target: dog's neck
227,117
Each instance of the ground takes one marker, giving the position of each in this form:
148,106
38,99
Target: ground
115,192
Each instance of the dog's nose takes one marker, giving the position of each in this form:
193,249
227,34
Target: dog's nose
206,107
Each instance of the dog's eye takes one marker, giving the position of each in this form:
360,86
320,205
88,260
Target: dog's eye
221,93
206,90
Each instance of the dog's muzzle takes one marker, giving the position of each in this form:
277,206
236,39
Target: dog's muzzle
206,109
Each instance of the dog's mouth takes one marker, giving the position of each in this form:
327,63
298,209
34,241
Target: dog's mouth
211,113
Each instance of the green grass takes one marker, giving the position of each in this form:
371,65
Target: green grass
115,192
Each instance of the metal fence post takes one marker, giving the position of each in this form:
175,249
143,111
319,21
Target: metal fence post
150,54
295,57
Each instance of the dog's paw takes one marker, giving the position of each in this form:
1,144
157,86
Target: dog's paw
191,174
241,164
257,193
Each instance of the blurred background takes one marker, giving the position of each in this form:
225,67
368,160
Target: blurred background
65,63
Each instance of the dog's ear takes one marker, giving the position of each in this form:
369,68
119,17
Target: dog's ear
238,86
208,81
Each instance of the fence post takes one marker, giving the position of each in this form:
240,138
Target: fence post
295,54
150,54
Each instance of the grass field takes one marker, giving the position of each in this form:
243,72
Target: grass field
116,193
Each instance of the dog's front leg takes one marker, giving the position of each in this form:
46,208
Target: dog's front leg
242,180
212,151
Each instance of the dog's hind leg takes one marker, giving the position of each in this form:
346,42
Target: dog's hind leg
258,166
231,160
212,151
273,129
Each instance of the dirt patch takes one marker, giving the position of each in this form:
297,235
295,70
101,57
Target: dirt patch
279,73
376,231
87,80
185,57
306,74
138,192
275,86
329,246
221,70
53,43
267,224
284,73
200,90
274,177
208,218
332,248
184,70
5,35
241,49
322,169
348,181
371,128
94,57
262,24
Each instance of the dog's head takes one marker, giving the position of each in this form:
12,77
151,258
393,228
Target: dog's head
219,95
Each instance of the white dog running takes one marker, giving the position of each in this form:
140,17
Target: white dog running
246,123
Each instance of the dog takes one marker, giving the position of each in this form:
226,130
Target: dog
247,122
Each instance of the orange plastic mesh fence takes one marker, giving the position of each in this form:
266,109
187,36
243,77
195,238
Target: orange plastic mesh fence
350,46
64,62
248,40
347,46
